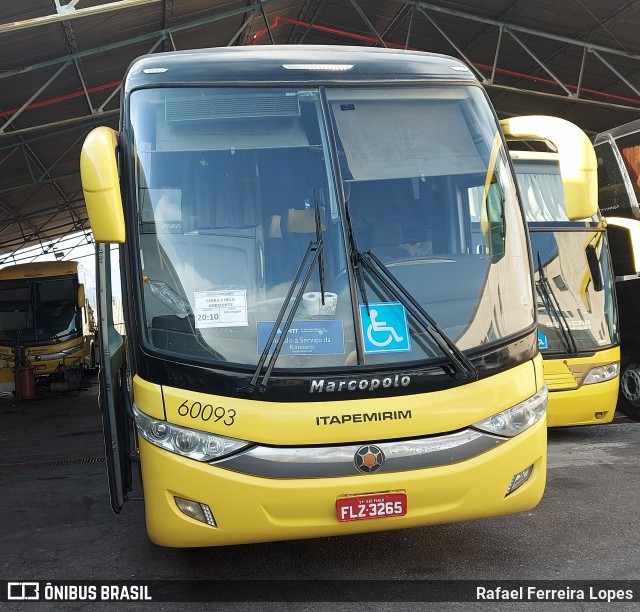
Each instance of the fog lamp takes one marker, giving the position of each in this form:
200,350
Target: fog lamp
518,480
195,510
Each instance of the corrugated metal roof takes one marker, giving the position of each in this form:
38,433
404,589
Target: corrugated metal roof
578,59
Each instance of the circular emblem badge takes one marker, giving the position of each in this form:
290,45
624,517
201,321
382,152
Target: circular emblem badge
368,459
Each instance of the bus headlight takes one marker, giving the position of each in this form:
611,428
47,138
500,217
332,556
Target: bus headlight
191,443
601,373
518,418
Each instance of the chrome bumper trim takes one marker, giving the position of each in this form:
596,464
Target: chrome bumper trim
336,461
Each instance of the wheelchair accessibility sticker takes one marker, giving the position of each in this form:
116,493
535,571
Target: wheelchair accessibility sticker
385,328
542,341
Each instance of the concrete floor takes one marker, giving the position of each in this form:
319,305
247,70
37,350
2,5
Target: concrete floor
56,523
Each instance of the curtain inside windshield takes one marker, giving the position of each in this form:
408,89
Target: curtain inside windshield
541,190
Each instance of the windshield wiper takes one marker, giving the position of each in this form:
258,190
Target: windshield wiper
553,307
312,255
465,369
319,240
355,256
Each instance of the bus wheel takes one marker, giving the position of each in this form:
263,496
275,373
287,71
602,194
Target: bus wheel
629,397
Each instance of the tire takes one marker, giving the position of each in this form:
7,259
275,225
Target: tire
629,395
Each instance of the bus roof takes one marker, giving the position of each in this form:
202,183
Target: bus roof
39,270
281,64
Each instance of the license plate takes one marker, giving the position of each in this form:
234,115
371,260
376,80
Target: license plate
371,506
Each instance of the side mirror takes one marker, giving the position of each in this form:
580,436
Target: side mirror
81,296
101,185
624,244
578,163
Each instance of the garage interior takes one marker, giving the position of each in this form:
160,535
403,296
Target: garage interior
63,62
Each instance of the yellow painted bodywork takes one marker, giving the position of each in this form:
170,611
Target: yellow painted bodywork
252,509
40,357
571,402
101,185
578,163
39,269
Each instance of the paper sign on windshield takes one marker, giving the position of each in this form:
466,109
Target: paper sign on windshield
222,308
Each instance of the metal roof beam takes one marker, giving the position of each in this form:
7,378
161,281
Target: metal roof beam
136,39
14,217
539,62
50,80
45,126
69,11
119,87
39,182
597,50
13,149
532,92
266,23
312,21
12,213
70,149
517,28
38,232
72,47
450,41
36,251
368,23
241,29
616,72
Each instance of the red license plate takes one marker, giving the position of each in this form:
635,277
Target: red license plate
371,506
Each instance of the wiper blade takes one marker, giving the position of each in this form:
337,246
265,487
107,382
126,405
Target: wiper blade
319,237
465,369
553,306
355,256
311,256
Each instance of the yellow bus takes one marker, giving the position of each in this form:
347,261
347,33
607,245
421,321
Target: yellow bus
578,332
328,296
618,153
47,320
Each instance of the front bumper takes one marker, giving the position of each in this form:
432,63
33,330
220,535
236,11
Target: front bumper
252,509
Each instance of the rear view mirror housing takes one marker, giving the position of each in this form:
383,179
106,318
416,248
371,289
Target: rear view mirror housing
81,296
101,185
578,162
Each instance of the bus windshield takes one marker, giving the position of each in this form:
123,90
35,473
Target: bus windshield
33,311
233,185
574,284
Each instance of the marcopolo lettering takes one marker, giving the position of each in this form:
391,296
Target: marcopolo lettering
359,384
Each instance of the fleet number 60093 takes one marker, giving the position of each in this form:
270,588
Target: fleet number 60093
206,412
